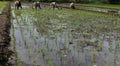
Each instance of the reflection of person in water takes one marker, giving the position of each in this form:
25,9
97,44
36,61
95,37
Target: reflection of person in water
18,4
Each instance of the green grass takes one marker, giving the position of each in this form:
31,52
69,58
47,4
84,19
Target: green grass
2,5
102,5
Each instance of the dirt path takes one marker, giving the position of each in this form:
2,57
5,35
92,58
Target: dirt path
4,36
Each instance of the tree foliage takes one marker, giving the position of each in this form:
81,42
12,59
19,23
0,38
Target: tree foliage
77,1
114,1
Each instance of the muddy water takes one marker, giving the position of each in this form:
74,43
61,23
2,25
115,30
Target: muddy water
60,48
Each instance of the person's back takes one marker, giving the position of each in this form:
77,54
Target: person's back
72,5
18,4
53,5
37,5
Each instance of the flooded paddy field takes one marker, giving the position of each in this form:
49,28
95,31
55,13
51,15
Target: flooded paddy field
65,37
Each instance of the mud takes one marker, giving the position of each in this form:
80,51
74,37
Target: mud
5,24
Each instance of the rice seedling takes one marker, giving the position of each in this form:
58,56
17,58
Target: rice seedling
21,30
13,42
65,33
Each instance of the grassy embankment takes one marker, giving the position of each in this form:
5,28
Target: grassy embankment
4,33
102,5
2,6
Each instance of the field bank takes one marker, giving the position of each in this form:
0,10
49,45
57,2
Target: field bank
4,33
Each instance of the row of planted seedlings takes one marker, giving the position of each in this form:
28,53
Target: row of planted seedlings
68,37
22,29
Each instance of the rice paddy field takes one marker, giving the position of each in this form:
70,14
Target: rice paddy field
65,37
